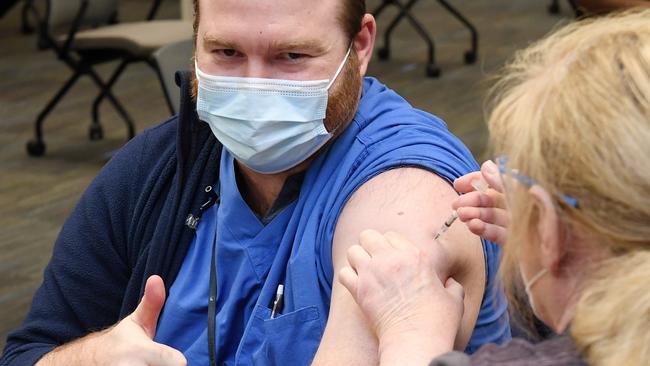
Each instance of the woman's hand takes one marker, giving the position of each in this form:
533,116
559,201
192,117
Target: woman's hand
396,285
485,214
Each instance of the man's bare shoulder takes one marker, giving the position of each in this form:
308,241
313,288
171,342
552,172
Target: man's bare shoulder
413,202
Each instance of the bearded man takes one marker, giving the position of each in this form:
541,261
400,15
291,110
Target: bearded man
215,238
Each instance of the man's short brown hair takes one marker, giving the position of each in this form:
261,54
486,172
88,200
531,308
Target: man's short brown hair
350,17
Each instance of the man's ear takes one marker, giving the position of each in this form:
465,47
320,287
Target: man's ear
552,249
364,42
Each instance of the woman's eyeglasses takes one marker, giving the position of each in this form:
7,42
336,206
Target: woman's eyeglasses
502,162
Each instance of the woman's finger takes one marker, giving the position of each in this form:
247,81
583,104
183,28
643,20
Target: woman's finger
357,257
464,184
498,199
472,199
491,198
495,216
490,172
373,241
348,278
494,233
398,241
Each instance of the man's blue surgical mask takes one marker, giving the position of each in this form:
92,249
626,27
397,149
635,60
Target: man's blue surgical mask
269,125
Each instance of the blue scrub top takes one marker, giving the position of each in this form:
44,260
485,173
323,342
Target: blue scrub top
294,249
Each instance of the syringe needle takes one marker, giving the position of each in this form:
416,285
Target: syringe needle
478,184
445,226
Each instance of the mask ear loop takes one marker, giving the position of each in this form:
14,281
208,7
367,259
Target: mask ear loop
198,72
338,71
533,280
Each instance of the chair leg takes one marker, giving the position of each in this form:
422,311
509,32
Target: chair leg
116,104
576,9
554,7
471,55
36,147
125,116
384,53
170,103
381,7
432,69
25,26
96,132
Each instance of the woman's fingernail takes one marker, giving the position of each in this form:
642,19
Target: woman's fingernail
490,167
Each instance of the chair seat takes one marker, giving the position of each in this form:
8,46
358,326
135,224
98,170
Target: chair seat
139,39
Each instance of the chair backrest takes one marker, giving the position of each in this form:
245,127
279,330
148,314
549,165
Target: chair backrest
187,10
61,14
171,58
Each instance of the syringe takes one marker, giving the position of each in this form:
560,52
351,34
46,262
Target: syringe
479,185
445,226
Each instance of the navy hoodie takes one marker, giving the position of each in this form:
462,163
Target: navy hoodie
128,225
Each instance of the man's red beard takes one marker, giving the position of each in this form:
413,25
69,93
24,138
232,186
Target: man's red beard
344,97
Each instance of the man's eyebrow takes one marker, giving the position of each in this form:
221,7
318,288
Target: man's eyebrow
312,45
214,41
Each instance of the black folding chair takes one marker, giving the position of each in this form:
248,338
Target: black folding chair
171,58
554,8
432,69
91,38
6,5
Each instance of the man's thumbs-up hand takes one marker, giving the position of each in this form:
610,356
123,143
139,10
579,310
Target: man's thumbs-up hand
129,342
147,312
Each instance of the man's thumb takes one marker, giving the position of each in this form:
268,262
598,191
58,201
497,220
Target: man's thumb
147,312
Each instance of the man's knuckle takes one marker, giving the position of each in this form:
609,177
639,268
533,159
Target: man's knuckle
351,251
366,235
167,354
422,255
394,266
487,215
391,234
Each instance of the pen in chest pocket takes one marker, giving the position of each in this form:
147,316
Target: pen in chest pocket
278,303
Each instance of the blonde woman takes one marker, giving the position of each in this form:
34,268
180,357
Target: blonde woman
571,123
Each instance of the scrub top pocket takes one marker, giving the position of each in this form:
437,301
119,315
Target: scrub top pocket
288,339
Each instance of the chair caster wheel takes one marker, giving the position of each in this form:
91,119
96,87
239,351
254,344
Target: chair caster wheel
42,44
433,71
554,8
470,57
26,29
383,53
35,148
95,133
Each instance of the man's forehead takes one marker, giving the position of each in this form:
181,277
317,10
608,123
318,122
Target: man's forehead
261,15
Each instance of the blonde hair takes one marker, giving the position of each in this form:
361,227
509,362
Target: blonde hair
573,112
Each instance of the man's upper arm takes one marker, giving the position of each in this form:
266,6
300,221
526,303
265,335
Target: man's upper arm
414,202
